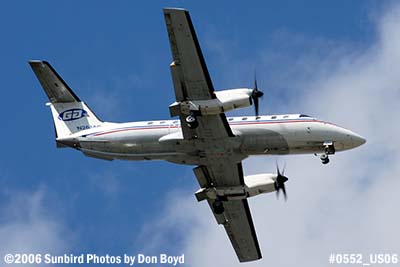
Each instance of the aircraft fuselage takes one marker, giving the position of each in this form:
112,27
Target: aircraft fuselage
162,140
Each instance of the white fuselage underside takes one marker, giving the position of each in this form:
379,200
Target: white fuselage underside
263,136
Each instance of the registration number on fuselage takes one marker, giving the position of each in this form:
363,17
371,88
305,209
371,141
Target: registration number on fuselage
86,127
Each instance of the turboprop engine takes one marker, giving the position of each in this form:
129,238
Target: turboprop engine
253,185
225,100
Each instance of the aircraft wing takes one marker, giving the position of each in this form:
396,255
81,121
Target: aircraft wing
189,73
219,167
237,217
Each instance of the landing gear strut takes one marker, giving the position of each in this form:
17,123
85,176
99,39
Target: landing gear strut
191,121
329,149
218,207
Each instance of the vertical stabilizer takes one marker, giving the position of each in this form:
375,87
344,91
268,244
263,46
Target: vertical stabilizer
70,114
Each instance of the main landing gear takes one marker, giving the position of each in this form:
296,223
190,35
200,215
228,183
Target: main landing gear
192,121
218,207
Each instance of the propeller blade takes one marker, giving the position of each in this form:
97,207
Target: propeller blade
280,182
255,100
255,95
284,192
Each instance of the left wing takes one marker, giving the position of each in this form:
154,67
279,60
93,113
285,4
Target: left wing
189,71
190,75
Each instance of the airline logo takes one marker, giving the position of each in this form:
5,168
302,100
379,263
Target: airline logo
72,114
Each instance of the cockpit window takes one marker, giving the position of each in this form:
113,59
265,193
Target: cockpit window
304,116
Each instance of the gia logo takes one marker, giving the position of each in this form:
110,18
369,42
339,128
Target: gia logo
72,114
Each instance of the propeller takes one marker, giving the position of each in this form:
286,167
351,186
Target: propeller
255,95
281,179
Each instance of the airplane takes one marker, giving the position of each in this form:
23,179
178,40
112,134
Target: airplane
203,135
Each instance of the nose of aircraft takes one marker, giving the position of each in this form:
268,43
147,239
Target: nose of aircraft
350,139
357,139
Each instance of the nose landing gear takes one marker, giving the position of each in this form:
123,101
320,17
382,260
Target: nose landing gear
324,158
329,150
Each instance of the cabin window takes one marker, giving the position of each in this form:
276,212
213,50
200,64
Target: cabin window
304,116
230,119
149,123
244,118
286,116
258,117
273,117
175,122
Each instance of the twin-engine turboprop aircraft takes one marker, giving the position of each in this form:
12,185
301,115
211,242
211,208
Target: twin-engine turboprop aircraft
202,136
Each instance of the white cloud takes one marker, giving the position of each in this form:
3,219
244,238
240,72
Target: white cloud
26,226
349,206
106,184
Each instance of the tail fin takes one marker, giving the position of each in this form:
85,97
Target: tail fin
70,114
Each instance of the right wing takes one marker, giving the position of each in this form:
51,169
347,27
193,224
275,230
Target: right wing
240,229
236,217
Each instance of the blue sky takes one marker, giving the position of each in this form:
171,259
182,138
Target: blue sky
115,56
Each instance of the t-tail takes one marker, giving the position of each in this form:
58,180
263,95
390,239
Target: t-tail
70,114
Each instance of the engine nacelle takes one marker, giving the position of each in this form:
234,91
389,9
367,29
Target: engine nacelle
253,185
234,98
260,183
226,100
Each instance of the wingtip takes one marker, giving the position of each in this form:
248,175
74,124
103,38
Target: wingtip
169,9
34,61
37,62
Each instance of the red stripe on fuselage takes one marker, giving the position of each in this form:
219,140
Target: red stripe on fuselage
233,124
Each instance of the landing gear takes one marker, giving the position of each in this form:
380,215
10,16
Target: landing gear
324,158
192,122
218,207
329,150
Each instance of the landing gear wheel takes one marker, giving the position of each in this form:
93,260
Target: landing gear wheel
324,159
191,122
218,207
